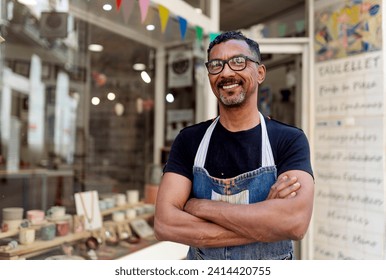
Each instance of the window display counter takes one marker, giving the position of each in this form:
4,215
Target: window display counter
164,250
130,238
73,246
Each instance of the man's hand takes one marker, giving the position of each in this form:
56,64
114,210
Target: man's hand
284,187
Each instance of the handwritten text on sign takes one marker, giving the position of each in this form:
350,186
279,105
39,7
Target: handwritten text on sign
349,198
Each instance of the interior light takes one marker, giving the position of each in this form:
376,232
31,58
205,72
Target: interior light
111,96
170,97
107,7
119,109
145,77
76,96
150,27
198,10
95,101
139,66
95,48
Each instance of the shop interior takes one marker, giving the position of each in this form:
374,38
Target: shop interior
78,174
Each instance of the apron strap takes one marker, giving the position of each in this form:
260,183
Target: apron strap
266,155
199,160
266,150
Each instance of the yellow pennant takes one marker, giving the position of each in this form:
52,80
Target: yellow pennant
164,17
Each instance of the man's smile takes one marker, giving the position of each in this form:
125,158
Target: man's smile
230,86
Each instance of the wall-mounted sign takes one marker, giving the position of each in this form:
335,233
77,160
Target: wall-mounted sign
180,69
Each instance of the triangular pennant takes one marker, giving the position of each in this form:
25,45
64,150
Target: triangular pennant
118,4
212,36
299,25
199,33
164,17
183,27
282,29
144,6
127,8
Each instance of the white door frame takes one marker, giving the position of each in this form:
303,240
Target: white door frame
300,46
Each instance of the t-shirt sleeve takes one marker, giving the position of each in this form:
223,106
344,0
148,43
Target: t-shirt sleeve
180,159
295,154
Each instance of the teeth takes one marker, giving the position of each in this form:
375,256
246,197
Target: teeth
230,86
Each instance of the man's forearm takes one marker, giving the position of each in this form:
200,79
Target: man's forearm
193,231
267,221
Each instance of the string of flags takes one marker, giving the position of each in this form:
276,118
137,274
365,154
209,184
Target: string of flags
126,6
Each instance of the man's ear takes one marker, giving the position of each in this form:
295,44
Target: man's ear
261,71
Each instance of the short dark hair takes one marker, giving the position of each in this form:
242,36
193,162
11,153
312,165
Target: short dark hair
236,35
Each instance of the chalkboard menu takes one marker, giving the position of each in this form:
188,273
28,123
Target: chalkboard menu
349,213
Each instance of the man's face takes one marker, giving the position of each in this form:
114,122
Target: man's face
231,87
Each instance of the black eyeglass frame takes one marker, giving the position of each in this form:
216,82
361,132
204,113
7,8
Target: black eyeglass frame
225,61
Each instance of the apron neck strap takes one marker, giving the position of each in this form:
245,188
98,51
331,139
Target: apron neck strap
266,155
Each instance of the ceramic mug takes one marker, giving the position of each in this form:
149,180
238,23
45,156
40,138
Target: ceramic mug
36,217
132,196
120,199
62,228
118,216
48,231
56,212
8,225
131,213
26,236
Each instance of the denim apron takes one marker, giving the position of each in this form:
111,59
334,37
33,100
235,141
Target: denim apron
247,188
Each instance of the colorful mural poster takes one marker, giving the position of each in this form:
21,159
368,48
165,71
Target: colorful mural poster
345,28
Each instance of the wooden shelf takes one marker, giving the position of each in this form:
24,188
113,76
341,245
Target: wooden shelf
120,208
41,245
9,233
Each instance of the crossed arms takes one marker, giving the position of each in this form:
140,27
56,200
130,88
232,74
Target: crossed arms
284,215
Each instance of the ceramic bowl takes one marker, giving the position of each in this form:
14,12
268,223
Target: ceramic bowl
36,217
8,225
13,213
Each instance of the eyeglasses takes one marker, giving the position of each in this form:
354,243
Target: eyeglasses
236,63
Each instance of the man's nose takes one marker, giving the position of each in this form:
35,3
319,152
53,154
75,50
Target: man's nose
227,70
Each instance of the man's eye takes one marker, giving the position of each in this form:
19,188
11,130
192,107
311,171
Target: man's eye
216,64
238,60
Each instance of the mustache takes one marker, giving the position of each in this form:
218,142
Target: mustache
228,82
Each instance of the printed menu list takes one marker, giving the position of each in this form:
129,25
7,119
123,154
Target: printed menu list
349,218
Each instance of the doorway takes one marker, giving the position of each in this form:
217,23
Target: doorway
287,89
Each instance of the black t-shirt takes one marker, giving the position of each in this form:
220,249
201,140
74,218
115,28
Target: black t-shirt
233,153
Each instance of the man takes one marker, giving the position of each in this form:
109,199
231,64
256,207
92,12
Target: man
220,193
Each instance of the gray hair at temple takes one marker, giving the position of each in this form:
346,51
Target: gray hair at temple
236,35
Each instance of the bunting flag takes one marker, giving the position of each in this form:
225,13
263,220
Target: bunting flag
183,27
127,8
299,25
118,4
199,33
282,30
164,17
144,6
212,36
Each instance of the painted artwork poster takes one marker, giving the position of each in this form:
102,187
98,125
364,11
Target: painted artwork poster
349,209
346,28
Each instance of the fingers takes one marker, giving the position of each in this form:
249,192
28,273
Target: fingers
290,191
284,188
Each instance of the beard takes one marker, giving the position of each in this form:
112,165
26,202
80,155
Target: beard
233,101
